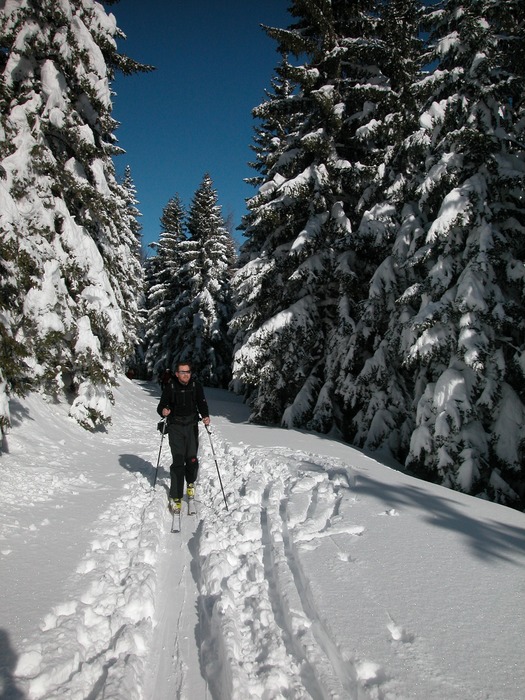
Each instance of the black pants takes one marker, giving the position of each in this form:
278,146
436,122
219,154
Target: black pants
184,445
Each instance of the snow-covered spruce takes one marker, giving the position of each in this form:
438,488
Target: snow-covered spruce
189,290
382,282
66,233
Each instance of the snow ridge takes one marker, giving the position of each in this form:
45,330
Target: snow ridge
98,638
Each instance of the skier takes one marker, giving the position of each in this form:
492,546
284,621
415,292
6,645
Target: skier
164,378
181,403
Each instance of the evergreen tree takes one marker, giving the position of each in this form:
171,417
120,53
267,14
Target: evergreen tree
465,344
300,282
136,362
204,308
151,269
382,277
376,401
189,295
133,212
65,229
12,353
164,287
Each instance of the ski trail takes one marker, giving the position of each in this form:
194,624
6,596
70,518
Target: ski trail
287,612
245,653
266,634
320,519
174,664
223,609
310,633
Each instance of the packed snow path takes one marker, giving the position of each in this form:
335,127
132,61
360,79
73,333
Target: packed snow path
331,576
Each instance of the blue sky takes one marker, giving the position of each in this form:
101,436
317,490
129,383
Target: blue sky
192,115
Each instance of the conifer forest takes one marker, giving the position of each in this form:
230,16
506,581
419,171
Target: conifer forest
379,291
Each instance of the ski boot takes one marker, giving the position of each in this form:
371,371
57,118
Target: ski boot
175,505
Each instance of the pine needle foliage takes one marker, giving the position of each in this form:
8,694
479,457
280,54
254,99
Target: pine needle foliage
189,298
381,284
67,238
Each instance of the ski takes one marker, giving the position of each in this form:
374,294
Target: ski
192,510
176,521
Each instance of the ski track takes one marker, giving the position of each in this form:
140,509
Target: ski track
255,598
222,609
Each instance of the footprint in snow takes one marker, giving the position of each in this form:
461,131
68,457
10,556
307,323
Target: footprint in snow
392,512
398,633
369,673
62,610
345,556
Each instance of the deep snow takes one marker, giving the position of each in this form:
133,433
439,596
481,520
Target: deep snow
330,576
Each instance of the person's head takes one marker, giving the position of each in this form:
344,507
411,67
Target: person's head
183,372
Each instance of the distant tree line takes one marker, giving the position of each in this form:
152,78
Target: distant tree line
188,299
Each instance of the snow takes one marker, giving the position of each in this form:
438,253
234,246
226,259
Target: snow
330,575
310,232
312,174
447,43
54,88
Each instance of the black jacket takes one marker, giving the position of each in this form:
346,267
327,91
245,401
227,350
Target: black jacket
186,402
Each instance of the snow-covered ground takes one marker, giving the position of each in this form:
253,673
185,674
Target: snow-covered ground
329,576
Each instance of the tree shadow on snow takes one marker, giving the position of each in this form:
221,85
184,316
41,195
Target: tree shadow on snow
228,405
135,465
8,660
150,387
487,539
18,412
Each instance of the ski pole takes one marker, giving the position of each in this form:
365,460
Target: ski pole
216,464
160,450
